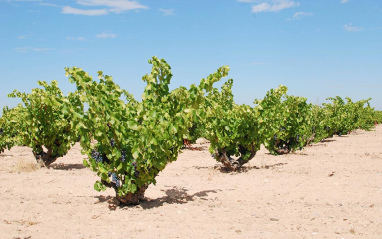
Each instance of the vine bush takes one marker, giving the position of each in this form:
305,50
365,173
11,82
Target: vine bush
285,122
135,140
9,136
232,129
44,121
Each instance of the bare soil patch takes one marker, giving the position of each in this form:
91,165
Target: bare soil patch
332,189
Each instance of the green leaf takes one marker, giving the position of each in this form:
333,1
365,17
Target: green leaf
86,163
132,125
154,141
98,186
135,154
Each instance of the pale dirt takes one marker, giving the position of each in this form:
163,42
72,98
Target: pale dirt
329,190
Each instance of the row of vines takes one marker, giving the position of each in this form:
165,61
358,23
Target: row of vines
128,142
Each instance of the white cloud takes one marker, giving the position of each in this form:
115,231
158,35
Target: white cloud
262,7
167,12
273,6
106,35
76,11
116,6
344,1
76,38
299,15
104,7
31,49
350,28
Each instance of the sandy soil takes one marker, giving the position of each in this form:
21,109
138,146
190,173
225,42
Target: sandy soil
332,189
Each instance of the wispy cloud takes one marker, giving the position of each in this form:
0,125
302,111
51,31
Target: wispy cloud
106,35
103,7
344,1
114,5
76,38
32,49
76,11
271,5
350,28
299,15
167,12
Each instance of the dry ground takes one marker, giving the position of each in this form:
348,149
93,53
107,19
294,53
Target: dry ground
332,189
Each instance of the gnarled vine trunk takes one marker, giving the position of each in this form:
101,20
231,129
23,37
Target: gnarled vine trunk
130,198
283,150
234,164
281,147
310,139
45,158
284,147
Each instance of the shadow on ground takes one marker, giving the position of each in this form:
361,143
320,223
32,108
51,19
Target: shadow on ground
326,141
173,196
247,168
67,167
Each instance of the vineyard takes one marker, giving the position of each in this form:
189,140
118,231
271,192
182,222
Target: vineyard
257,162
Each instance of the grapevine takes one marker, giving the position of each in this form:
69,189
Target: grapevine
285,121
45,121
135,140
232,129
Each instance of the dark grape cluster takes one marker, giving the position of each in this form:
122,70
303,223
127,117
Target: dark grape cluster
275,137
115,179
97,156
1,131
297,137
136,173
112,142
123,156
282,128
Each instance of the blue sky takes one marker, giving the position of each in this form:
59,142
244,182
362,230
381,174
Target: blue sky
318,49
